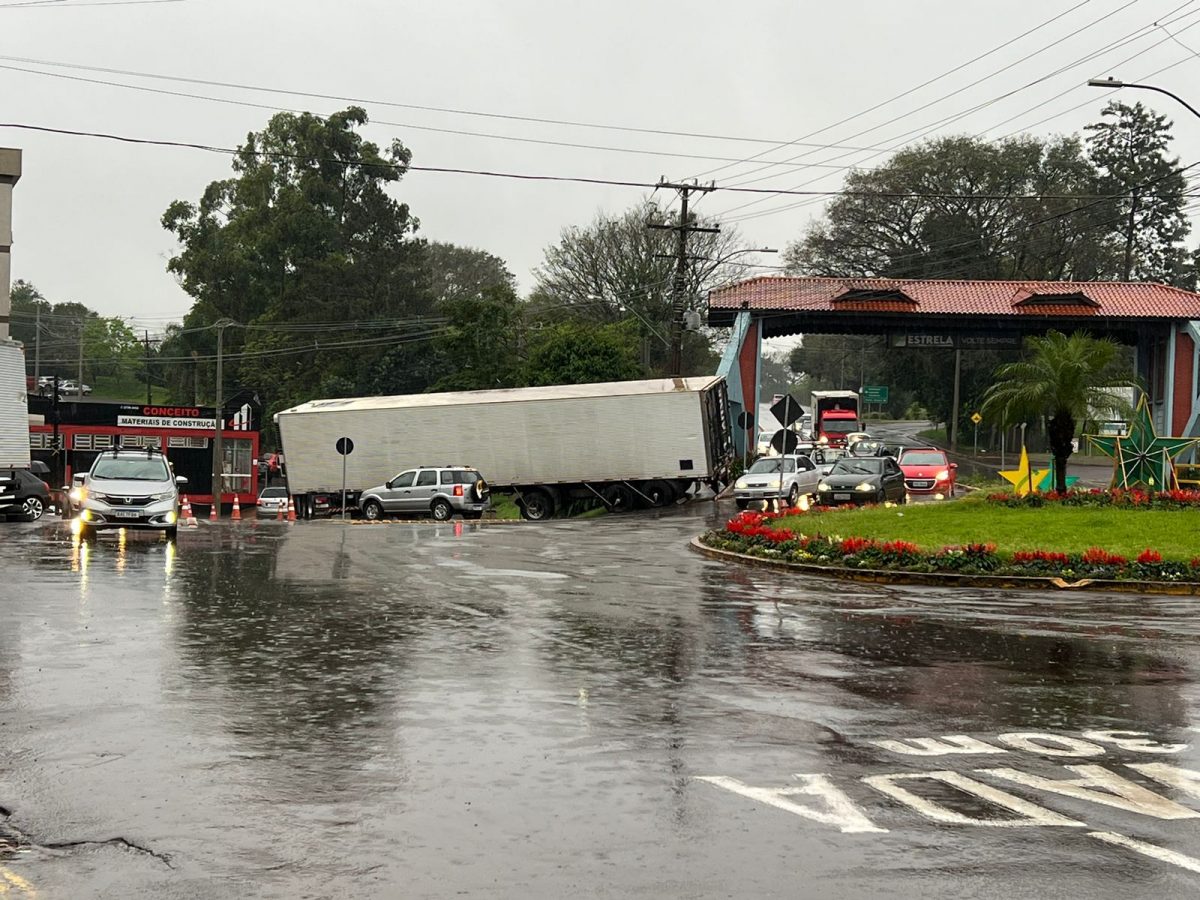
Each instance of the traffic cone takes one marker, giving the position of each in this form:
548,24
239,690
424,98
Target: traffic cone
236,515
212,508
279,515
291,509
189,517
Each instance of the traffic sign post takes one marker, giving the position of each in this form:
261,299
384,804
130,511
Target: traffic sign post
345,447
875,393
976,418
745,421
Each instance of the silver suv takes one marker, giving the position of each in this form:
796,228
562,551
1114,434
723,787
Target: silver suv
128,489
777,478
440,491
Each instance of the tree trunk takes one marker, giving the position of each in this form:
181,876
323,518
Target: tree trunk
1060,431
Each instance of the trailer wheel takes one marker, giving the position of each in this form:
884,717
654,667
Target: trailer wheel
536,505
618,497
742,504
372,511
441,510
657,494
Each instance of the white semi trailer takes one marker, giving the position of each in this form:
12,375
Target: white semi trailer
623,444
14,407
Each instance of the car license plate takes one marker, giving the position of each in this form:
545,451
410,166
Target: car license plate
125,513
841,496
922,484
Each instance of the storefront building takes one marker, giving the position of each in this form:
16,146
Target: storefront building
184,434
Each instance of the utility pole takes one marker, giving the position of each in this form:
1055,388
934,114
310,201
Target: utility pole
146,341
220,325
37,345
79,381
954,406
679,290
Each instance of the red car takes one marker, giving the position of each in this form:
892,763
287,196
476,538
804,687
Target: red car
928,471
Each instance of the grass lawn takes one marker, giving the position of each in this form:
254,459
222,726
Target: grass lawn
1067,529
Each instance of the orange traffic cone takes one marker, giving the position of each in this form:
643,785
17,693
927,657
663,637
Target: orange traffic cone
212,508
291,509
279,516
236,515
189,517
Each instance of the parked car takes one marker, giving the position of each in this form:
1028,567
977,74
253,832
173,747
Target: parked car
271,500
71,389
928,471
128,489
777,478
23,495
439,491
869,447
872,479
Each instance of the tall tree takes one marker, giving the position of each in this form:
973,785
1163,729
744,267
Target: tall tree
1129,147
615,268
1061,379
945,209
304,235
455,272
583,353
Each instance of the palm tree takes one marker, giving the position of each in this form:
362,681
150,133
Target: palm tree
1062,378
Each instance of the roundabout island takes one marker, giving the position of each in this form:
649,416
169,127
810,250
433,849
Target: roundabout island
1123,540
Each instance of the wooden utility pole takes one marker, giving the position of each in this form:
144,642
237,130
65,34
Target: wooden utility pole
679,289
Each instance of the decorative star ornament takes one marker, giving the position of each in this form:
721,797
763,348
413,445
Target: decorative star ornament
1023,480
1141,458
1047,482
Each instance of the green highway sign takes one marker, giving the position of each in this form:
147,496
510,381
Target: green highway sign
875,393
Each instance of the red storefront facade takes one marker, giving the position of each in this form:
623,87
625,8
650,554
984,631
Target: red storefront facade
184,434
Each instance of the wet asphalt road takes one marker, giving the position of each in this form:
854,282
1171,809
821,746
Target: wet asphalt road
532,711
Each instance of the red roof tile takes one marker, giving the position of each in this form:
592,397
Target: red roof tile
987,298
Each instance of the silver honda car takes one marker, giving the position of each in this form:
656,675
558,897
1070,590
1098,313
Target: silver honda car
128,489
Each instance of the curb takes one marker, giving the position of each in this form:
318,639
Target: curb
949,579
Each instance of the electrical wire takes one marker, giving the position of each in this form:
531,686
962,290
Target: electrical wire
359,101
916,134
903,94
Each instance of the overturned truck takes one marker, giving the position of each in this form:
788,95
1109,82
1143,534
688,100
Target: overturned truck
622,444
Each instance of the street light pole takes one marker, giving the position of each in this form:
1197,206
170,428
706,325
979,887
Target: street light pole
219,418
1114,83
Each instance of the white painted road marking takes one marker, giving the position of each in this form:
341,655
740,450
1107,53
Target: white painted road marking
1099,785
1139,741
839,811
1160,853
943,746
1059,745
1028,814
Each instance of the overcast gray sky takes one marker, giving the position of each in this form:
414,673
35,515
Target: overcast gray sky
86,212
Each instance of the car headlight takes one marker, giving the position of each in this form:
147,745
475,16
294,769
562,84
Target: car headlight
740,484
866,486
943,475
165,495
78,494
824,486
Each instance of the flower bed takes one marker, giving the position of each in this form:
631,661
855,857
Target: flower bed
761,535
1115,498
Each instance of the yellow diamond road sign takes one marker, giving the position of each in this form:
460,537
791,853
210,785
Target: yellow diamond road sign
976,418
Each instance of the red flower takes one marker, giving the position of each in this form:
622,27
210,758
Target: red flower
1097,557
853,545
1149,556
899,548
1044,556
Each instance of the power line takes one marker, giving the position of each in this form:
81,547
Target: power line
523,176
916,134
540,120
69,4
906,93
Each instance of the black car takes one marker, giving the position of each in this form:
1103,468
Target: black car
868,479
23,494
